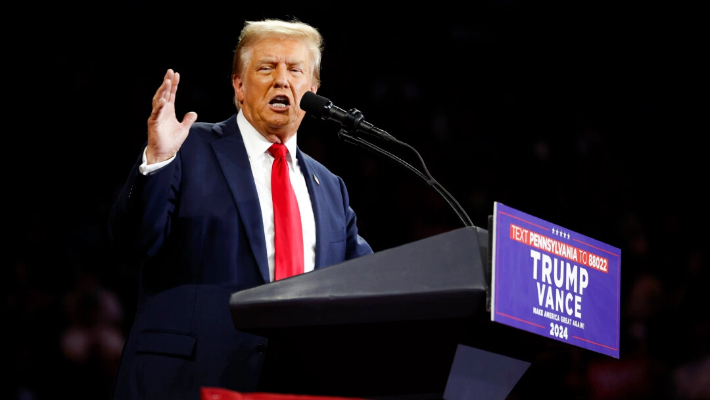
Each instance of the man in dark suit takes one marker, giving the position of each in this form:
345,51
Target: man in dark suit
197,212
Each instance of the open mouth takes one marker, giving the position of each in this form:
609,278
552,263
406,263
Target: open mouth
280,102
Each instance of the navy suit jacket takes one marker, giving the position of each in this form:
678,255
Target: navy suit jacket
196,228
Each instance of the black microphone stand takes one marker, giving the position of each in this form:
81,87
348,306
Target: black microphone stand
348,134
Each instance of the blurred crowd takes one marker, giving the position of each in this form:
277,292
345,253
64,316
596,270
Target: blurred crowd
67,304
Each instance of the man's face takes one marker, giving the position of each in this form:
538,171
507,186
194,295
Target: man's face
271,85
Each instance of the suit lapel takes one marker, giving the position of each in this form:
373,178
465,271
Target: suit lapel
315,195
233,159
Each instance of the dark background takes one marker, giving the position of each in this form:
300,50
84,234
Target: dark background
584,115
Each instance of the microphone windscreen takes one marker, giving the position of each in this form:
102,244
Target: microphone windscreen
314,104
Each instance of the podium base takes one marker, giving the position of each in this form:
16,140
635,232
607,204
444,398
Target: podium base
386,361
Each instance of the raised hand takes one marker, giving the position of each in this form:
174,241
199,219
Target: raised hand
165,133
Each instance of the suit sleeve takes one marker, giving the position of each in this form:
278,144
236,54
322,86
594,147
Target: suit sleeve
356,246
139,220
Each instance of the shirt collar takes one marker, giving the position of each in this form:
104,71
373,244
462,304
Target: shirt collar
256,144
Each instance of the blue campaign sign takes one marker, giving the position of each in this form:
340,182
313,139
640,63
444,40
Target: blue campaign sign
554,282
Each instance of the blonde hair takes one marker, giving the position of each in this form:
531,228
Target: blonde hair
255,31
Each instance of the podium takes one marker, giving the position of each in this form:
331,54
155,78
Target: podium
388,325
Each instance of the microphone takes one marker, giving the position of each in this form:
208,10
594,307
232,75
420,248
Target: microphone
351,120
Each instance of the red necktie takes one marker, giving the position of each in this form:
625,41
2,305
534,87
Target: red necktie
288,236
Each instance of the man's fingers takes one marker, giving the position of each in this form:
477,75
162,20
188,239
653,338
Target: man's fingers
157,108
173,88
167,88
159,93
166,94
189,119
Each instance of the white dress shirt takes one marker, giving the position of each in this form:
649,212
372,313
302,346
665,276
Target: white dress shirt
261,161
